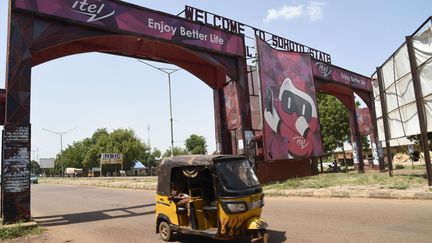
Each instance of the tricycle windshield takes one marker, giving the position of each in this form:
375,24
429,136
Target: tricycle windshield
236,174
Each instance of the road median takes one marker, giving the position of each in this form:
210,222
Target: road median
373,186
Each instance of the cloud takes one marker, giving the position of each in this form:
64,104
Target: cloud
314,10
286,12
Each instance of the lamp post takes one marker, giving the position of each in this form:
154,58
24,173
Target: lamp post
167,71
61,143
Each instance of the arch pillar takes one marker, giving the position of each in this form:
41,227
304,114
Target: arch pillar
16,135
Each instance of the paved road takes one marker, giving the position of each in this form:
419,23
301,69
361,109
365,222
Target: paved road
91,214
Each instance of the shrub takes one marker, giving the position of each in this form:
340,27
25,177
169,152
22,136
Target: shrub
399,167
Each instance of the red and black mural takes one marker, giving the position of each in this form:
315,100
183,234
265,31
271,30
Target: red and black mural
291,127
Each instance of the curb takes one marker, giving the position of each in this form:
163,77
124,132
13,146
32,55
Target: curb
351,194
26,225
112,185
385,194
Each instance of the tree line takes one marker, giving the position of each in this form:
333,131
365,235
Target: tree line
86,154
335,131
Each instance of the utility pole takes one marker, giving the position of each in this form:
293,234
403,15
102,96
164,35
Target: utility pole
148,135
60,134
167,71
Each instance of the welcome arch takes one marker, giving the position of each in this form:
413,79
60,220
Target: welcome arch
42,30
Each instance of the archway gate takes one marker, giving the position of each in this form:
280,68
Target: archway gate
41,31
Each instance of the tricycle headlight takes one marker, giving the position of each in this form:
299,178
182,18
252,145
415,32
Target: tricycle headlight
235,207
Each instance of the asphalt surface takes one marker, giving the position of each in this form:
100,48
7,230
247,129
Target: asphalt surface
94,214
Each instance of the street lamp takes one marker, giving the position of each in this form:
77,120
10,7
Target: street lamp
167,71
61,142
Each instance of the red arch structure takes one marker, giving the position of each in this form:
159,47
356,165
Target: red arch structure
42,30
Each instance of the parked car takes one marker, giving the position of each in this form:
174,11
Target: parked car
331,167
33,179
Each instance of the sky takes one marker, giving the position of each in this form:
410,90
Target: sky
89,91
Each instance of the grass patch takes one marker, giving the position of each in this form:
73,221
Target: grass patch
18,230
353,179
410,166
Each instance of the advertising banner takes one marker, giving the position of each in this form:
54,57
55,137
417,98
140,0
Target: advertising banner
364,121
111,158
291,127
232,106
46,163
329,72
118,16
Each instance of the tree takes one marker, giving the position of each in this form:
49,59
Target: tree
86,153
176,150
150,155
196,144
417,139
334,120
35,168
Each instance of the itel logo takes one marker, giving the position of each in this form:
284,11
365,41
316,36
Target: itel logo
324,69
301,142
94,10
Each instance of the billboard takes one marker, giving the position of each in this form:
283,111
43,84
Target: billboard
124,17
364,121
339,75
111,158
46,163
291,127
398,88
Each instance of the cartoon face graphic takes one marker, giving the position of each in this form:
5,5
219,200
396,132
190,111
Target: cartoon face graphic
292,115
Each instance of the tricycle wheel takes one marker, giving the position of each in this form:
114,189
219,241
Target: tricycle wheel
266,237
165,231
261,236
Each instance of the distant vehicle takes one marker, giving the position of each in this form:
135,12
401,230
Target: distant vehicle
73,172
33,179
331,167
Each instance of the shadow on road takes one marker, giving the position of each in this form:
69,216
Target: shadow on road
275,237
107,214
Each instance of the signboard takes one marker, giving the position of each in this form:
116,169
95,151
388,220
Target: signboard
235,27
46,163
125,17
111,158
291,128
16,159
336,74
96,169
364,121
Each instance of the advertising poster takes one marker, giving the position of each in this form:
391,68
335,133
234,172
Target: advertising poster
118,16
291,127
364,121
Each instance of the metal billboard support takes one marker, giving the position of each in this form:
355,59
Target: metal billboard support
385,120
420,107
